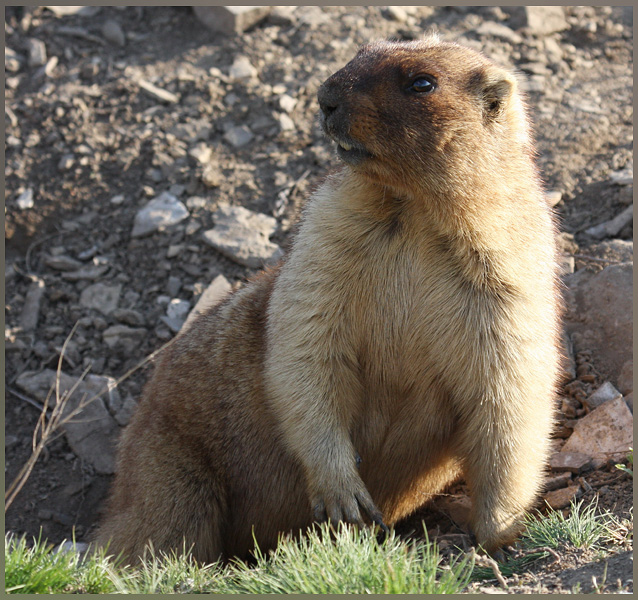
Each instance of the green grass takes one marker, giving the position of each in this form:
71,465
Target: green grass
350,561
585,527
37,569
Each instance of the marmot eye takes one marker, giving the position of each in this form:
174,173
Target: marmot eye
423,84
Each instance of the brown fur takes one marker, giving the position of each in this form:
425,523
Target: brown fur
413,323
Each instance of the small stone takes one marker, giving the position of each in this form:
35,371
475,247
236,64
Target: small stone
25,200
91,273
604,393
287,103
176,313
174,250
242,235
117,200
129,316
37,52
113,33
158,93
124,337
202,153
626,378
213,295
242,69
76,547
605,433
62,263
613,227
541,20
624,177
230,19
238,136
211,175
102,297
285,122
553,197
123,416
557,481
31,309
397,13
573,462
158,214
66,162
561,498
499,31
173,286
196,202
91,432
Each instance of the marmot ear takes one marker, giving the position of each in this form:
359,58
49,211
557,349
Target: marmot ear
497,88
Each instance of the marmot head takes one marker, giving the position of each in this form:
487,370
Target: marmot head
423,113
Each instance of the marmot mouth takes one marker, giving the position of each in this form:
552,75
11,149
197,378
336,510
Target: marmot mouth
351,152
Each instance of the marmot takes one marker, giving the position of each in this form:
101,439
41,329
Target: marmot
408,338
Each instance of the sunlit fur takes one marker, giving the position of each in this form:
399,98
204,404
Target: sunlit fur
413,324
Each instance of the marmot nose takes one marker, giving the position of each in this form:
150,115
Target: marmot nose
328,101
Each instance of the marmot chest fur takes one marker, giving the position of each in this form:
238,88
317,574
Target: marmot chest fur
408,338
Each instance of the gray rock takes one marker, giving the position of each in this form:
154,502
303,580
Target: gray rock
25,200
62,262
553,197
117,200
158,214
102,297
568,362
614,226
541,20
31,309
499,31
624,177
574,462
173,286
176,313
65,11
604,434
90,430
202,153
37,52
287,103
238,136
213,295
123,337
112,31
157,93
129,316
242,235
557,481
196,202
626,378
285,122
561,498
90,272
604,393
123,416
599,315
230,19
242,69
397,13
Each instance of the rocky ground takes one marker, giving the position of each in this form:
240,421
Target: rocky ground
137,140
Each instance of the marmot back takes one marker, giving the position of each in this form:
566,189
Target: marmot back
408,339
